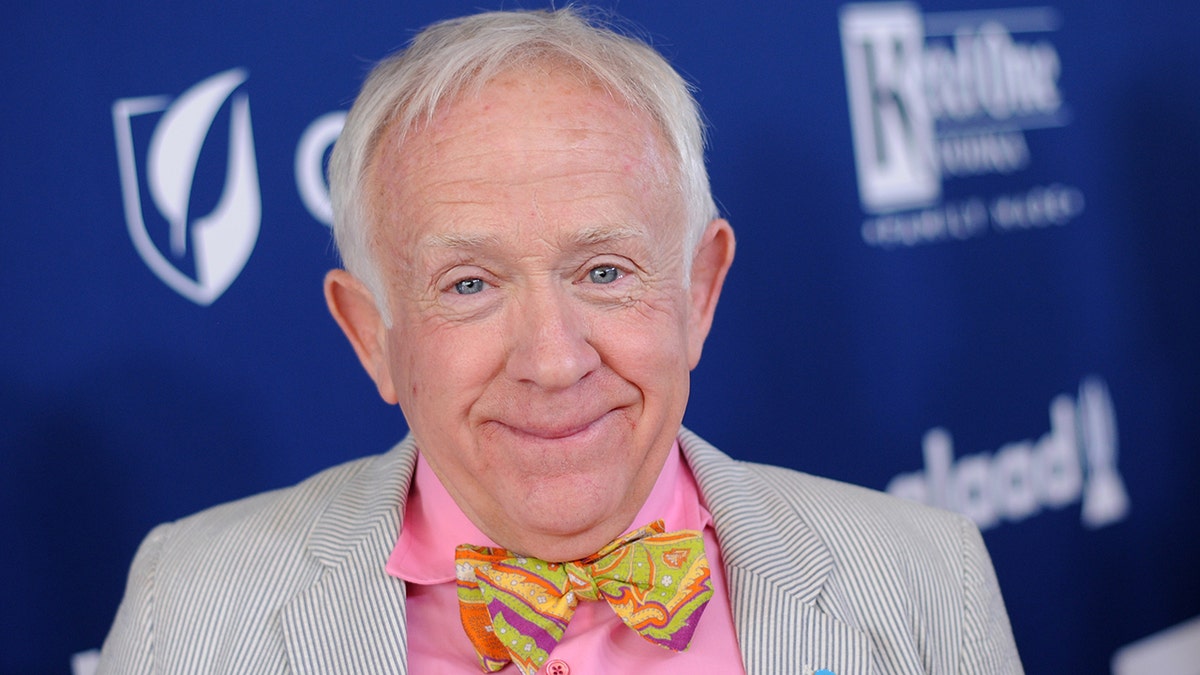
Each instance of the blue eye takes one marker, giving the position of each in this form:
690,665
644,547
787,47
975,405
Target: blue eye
468,286
605,274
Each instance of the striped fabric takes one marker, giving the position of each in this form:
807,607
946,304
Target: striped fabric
821,575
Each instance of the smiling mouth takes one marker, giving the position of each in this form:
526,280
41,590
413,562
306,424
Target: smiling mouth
552,432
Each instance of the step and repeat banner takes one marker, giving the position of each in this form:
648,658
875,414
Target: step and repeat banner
968,274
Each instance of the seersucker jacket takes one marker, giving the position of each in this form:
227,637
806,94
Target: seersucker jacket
821,575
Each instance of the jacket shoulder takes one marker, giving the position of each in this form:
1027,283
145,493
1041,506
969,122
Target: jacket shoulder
275,518
832,508
869,533
204,592
916,580
828,501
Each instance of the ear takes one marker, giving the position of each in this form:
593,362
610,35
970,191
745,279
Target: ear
714,255
354,309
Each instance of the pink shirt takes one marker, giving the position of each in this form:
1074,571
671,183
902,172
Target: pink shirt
595,641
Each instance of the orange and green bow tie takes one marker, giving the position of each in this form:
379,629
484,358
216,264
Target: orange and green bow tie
516,608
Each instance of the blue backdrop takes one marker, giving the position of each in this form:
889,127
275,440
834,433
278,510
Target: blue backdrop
967,273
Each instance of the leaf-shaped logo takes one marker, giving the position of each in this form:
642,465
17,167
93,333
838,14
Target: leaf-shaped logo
220,242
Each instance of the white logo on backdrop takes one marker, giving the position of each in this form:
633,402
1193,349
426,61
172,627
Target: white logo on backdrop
314,145
1075,461
1173,650
939,96
219,243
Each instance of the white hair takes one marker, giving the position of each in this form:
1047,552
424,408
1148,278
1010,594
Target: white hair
451,57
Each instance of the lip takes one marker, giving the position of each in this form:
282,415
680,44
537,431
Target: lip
552,431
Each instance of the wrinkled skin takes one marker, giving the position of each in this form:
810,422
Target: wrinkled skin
542,332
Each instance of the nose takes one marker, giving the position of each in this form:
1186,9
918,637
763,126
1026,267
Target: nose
549,338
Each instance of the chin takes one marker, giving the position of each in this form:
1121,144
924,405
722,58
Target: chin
567,532
574,547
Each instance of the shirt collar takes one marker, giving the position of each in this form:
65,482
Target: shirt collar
434,525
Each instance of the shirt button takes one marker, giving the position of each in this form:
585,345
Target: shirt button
558,667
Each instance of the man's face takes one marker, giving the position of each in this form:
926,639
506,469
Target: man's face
543,333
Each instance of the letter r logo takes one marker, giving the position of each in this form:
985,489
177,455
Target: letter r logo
894,150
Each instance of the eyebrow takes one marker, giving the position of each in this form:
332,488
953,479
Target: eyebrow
604,234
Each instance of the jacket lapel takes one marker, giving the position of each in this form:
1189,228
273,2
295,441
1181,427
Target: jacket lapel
351,619
777,569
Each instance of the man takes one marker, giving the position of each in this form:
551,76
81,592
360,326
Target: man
533,260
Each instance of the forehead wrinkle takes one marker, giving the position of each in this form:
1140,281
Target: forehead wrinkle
537,165
450,135
450,143
460,240
590,236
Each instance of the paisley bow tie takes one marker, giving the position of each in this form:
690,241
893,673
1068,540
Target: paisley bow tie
516,608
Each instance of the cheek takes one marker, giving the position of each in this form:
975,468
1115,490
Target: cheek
440,369
648,349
